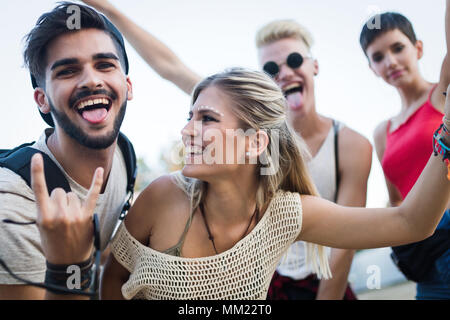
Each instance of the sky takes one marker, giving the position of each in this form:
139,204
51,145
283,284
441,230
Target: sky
209,36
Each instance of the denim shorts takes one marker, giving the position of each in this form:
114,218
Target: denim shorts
437,284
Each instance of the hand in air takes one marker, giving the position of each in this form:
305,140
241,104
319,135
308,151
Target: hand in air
65,224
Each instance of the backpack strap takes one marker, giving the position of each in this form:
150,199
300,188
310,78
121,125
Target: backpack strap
6,152
130,160
336,156
18,160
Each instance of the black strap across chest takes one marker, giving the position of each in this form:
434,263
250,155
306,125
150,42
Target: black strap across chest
18,160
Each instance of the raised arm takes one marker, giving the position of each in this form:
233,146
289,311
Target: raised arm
415,219
437,98
355,159
158,56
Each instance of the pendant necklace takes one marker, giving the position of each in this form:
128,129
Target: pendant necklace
202,210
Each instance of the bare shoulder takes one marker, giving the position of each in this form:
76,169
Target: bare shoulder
352,141
308,200
355,154
379,138
162,194
353,146
160,198
162,191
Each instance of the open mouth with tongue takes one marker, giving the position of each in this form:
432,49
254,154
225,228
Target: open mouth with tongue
94,110
294,95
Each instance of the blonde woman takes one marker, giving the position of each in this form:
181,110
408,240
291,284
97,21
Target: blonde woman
217,231
341,157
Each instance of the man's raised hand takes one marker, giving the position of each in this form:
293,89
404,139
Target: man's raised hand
65,224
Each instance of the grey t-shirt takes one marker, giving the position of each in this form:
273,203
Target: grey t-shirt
20,244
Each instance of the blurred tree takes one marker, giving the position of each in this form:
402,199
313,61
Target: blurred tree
145,175
172,158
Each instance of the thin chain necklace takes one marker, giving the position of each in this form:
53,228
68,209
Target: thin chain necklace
202,210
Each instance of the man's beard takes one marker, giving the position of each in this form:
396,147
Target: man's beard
76,133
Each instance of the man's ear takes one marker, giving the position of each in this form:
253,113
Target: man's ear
129,89
316,67
41,99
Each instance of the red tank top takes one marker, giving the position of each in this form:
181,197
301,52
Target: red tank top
409,147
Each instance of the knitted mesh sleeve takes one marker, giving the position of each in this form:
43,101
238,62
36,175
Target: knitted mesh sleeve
243,272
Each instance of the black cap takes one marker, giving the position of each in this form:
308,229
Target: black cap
117,35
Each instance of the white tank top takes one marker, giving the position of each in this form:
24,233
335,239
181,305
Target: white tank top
323,172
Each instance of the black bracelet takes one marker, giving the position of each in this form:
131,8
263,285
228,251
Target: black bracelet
56,275
63,267
60,274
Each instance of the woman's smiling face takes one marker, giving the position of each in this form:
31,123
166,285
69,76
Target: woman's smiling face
213,137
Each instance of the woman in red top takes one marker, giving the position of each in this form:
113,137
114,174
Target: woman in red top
393,53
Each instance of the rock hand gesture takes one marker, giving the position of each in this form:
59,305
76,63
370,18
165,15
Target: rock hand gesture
65,224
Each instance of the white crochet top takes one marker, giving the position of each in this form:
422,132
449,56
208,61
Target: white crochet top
243,272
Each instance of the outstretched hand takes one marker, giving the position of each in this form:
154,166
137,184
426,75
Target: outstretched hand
65,224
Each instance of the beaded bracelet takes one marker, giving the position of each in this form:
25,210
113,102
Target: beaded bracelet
445,131
440,147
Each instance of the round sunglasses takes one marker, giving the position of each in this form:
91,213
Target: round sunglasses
294,61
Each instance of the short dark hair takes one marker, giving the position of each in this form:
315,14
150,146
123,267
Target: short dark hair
53,24
388,21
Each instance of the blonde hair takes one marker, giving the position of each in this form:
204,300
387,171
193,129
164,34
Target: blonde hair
260,105
282,29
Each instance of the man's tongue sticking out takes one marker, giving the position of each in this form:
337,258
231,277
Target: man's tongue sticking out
95,115
295,100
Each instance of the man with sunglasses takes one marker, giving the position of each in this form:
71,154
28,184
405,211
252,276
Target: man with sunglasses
340,170
340,176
